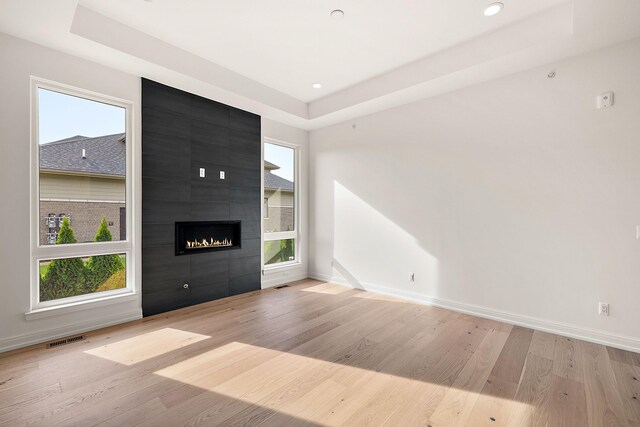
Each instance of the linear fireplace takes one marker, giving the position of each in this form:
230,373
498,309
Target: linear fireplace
196,237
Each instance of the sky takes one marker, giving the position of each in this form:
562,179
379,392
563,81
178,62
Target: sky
280,156
62,116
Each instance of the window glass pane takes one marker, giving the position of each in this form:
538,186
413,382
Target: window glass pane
276,251
82,170
279,186
70,277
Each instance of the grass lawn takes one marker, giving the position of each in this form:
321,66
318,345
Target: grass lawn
117,280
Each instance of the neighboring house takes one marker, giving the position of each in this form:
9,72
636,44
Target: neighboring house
84,179
278,201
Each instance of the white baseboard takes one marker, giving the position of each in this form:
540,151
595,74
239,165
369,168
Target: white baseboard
25,340
270,282
586,334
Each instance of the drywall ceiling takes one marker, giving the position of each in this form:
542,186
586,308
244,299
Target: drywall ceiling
290,44
264,56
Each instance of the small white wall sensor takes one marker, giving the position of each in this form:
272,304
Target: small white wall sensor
221,174
605,100
202,172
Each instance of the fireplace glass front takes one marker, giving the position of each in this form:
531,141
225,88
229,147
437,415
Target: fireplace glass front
195,237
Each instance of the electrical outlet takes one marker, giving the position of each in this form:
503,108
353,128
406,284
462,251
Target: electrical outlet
603,309
605,100
412,277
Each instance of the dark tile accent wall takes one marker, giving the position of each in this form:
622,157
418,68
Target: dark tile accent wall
182,133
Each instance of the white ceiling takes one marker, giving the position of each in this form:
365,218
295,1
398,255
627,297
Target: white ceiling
263,56
290,44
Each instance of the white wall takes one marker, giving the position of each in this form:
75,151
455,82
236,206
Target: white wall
20,60
291,135
515,199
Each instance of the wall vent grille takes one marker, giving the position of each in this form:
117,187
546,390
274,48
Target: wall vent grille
64,341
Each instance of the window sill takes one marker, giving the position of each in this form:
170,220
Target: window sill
282,266
59,310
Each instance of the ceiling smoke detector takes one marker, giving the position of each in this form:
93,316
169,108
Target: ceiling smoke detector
337,14
493,9
317,85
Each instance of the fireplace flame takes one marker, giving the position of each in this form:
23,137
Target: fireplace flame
208,243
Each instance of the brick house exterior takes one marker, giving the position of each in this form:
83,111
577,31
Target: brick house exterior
83,179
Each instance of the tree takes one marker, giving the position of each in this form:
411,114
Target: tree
102,267
286,250
103,234
65,277
278,251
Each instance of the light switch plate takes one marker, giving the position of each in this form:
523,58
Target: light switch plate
221,174
202,172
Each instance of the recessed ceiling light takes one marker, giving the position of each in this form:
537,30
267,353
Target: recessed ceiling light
493,9
337,14
317,85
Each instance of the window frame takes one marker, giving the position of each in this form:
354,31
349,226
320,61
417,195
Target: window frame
50,252
283,235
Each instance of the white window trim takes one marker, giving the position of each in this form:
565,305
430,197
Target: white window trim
39,252
79,306
282,235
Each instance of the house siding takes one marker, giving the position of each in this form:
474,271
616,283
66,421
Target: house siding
280,212
72,187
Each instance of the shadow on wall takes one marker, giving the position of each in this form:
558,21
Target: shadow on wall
448,216
350,278
364,237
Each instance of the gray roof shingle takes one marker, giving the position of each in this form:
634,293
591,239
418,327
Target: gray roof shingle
105,155
275,182
270,166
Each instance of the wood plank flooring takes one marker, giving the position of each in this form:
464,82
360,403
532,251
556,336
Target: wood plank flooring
315,354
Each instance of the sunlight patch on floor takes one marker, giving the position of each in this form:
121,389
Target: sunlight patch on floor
327,288
318,391
146,346
380,297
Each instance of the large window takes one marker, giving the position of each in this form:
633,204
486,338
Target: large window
81,195
280,201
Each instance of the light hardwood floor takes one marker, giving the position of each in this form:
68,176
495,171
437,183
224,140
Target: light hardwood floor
320,354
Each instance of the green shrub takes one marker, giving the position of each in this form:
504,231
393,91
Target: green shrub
102,267
65,277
